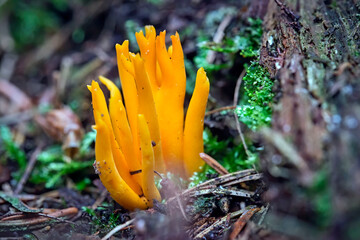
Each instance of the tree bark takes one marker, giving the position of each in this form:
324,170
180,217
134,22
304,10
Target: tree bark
312,50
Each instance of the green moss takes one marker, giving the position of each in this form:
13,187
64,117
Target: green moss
103,219
204,205
52,166
256,109
12,150
319,195
246,42
32,21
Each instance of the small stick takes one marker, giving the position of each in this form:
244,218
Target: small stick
29,168
289,151
242,220
237,87
236,99
6,224
214,164
220,180
287,11
219,110
117,228
219,35
159,174
252,177
218,223
56,218
221,191
100,199
17,117
181,208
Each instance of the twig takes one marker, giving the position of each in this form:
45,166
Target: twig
252,177
219,110
196,232
100,199
236,99
65,70
290,14
352,34
214,164
117,228
181,208
220,180
240,223
287,11
211,184
7,224
86,70
55,218
15,95
11,214
219,35
237,87
221,191
159,174
342,67
22,198
218,223
17,117
8,62
28,169
288,151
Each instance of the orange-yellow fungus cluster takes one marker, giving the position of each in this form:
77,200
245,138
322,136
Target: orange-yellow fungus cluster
150,133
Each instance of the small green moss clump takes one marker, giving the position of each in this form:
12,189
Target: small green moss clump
256,110
12,150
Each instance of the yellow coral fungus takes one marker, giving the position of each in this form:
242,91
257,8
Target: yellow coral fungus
149,132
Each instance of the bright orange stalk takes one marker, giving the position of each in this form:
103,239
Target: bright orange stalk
129,90
147,154
170,102
99,105
194,124
109,176
121,128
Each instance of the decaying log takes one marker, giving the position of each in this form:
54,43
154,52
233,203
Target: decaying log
312,49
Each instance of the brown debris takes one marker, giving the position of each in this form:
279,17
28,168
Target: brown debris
28,169
225,193
241,222
19,101
64,126
34,221
214,164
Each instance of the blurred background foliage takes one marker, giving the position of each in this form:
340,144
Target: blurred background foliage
30,22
